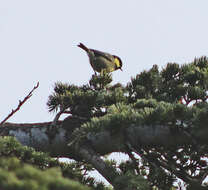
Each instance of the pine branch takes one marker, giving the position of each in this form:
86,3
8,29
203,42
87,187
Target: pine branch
20,104
62,110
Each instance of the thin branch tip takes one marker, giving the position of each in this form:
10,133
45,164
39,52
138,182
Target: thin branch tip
20,104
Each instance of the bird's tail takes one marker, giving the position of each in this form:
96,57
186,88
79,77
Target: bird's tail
82,46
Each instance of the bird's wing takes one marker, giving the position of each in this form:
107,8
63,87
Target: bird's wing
103,54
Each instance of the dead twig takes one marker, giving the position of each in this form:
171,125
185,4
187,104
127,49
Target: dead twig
20,104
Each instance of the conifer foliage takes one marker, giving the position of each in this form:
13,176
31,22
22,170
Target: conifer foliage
159,119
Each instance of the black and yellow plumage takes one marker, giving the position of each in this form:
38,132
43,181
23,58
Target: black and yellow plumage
101,61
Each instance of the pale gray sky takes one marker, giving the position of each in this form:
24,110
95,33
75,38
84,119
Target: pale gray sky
38,43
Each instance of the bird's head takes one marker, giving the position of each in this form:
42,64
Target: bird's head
118,62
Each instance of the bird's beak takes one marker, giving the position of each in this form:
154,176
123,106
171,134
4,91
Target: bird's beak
121,69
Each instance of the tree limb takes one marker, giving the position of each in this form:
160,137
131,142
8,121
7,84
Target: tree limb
55,139
38,135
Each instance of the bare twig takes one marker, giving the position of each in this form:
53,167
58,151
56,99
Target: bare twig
20,104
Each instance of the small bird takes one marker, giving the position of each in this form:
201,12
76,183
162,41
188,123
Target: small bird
101,61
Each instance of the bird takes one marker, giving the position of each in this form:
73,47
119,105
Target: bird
102,61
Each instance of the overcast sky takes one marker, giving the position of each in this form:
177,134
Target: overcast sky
38,43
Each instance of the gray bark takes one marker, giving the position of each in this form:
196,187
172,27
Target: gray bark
54,138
